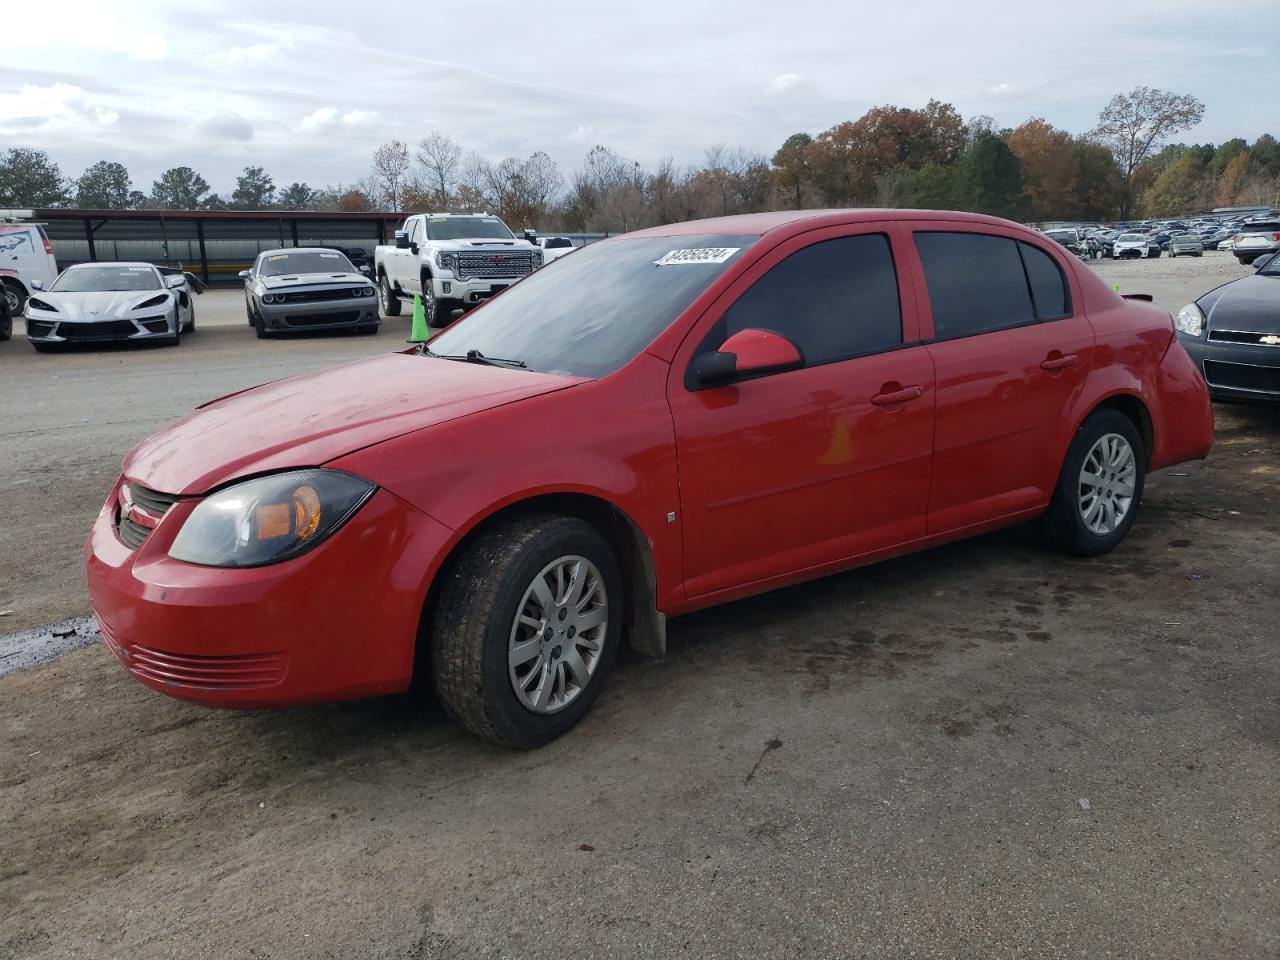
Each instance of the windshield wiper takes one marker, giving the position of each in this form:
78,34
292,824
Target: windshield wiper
475,356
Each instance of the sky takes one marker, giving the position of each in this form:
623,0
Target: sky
308,90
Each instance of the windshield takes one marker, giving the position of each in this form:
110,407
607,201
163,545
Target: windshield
467,228
588,315
1132,238
306,261
96,279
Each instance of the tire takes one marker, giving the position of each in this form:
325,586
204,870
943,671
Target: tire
191,324
6,327
248,310
474,624
1172,254
260,328
444,312
176,339
1066,522
17,298
368,329
387,298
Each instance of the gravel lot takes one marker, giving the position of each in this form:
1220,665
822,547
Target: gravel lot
985,750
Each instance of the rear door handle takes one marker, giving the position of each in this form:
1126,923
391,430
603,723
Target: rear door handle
1060,362
897,396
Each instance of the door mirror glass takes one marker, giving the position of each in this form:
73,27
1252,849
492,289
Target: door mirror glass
750,352
402,240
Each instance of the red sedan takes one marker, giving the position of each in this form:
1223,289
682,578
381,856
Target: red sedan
667,420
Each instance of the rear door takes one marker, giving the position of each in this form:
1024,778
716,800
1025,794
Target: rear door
788,472
1011,349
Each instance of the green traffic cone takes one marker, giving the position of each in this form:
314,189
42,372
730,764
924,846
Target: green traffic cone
418,332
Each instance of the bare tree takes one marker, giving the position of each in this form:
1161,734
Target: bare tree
441,158
1133,124
390,169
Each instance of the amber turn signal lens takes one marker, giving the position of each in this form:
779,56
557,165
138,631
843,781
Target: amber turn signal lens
271,520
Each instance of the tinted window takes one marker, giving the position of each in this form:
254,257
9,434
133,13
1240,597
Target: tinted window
588,314
311,261
94,279
976,283
467,228
558,243
834,299
1048,287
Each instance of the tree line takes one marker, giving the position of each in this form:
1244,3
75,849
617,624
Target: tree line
928,157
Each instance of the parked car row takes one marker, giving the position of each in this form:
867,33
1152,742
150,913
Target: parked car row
1245,238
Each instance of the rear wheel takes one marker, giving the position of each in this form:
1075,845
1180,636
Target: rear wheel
6,324
387,298
525,629
1100,487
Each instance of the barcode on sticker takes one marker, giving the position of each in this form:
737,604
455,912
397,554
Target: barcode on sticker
699,255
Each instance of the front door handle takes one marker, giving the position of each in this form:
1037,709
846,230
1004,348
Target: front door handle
901,395
1060,362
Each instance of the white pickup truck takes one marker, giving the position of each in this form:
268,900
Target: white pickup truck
454,260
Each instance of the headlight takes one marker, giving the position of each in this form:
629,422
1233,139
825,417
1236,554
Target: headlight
268,298
269,519
1190,320
446,261
152,302
35,304
368,291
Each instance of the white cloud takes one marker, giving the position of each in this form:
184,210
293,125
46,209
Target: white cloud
1002,89
784,83
226,126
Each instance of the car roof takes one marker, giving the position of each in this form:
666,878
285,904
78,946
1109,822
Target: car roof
793,221
112,263
279,250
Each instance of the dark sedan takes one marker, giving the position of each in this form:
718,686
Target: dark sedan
1233,335
308,288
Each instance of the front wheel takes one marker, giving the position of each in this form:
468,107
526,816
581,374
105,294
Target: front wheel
525,629
6,326
1100,487
387,298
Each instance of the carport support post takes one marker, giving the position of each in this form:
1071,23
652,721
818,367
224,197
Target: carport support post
204,257
88,235
293,231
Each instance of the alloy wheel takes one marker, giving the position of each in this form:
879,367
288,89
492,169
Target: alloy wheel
558,634
1106,486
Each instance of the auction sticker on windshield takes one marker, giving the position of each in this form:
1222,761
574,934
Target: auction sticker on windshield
699,255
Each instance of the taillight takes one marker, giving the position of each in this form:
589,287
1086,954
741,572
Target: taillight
1275,236
48,247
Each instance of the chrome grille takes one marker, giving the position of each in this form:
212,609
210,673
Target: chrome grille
1245,336
152,503
481,266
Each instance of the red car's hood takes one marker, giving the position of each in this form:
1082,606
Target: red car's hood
310,419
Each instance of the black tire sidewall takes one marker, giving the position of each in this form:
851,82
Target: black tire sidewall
1080,538
518,724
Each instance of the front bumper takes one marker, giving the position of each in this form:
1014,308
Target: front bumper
53,328
338,622
1236,371
320,314
469,292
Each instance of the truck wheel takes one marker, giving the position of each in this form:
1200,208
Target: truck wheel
17,298
6,326
387,299
526,627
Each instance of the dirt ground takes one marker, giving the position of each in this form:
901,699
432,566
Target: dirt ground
985,750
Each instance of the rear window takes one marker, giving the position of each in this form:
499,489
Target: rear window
1048,286
558,243
1261,226
976,283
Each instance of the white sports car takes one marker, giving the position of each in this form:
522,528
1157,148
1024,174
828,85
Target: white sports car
96,302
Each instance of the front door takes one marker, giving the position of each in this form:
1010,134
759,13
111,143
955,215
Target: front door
788,472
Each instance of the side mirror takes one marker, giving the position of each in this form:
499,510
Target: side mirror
748,353
364,268
402,240
243,274
531,235
37,284
175,281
